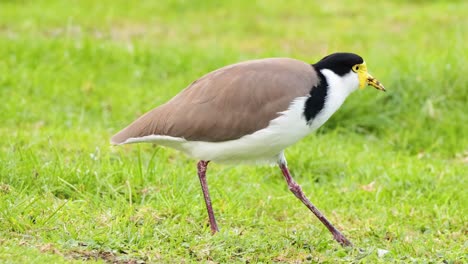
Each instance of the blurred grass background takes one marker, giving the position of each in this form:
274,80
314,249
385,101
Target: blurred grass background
389,169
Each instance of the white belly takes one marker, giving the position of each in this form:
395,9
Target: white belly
262,146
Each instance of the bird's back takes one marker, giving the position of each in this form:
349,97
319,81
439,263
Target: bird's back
228,103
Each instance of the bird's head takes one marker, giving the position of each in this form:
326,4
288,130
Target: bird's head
351,67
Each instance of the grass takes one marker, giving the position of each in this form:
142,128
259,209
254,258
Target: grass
390,170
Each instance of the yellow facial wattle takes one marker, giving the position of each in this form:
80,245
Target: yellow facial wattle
361,70
365,78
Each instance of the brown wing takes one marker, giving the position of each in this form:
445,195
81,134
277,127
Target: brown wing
227,103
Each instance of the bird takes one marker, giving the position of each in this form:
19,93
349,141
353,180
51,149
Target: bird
250,112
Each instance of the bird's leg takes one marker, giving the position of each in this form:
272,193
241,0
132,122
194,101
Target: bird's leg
202,166
296,189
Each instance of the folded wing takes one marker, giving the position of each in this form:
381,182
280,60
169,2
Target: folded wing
228,103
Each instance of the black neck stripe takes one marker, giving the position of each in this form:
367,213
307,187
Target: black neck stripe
316,101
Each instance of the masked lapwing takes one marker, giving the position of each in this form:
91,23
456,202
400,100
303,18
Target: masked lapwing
250,112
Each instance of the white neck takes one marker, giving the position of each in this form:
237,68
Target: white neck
339,87
343,85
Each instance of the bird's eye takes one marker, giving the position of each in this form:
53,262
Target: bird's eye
355,68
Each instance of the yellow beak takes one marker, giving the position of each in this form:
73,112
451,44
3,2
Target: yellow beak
375,83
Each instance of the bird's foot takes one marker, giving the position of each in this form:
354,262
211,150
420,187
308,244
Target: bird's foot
214,230
340,238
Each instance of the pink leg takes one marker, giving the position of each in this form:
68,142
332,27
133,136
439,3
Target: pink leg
296,189
202,166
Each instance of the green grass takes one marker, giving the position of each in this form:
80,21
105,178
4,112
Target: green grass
390,170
